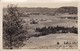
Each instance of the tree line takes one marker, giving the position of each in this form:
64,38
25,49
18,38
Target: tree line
58,29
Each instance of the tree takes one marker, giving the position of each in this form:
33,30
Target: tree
13,31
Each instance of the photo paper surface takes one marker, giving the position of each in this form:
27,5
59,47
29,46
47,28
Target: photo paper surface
40,25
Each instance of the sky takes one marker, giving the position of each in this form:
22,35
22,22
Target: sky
42,3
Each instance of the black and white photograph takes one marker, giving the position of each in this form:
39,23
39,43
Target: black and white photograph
40,26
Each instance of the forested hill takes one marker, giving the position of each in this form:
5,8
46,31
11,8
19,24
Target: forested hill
52,11
70,10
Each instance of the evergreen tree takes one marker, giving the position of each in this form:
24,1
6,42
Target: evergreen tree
13,31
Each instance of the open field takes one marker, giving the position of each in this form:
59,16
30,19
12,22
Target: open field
50,42
44,20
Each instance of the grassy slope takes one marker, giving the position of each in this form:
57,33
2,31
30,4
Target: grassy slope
50,41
